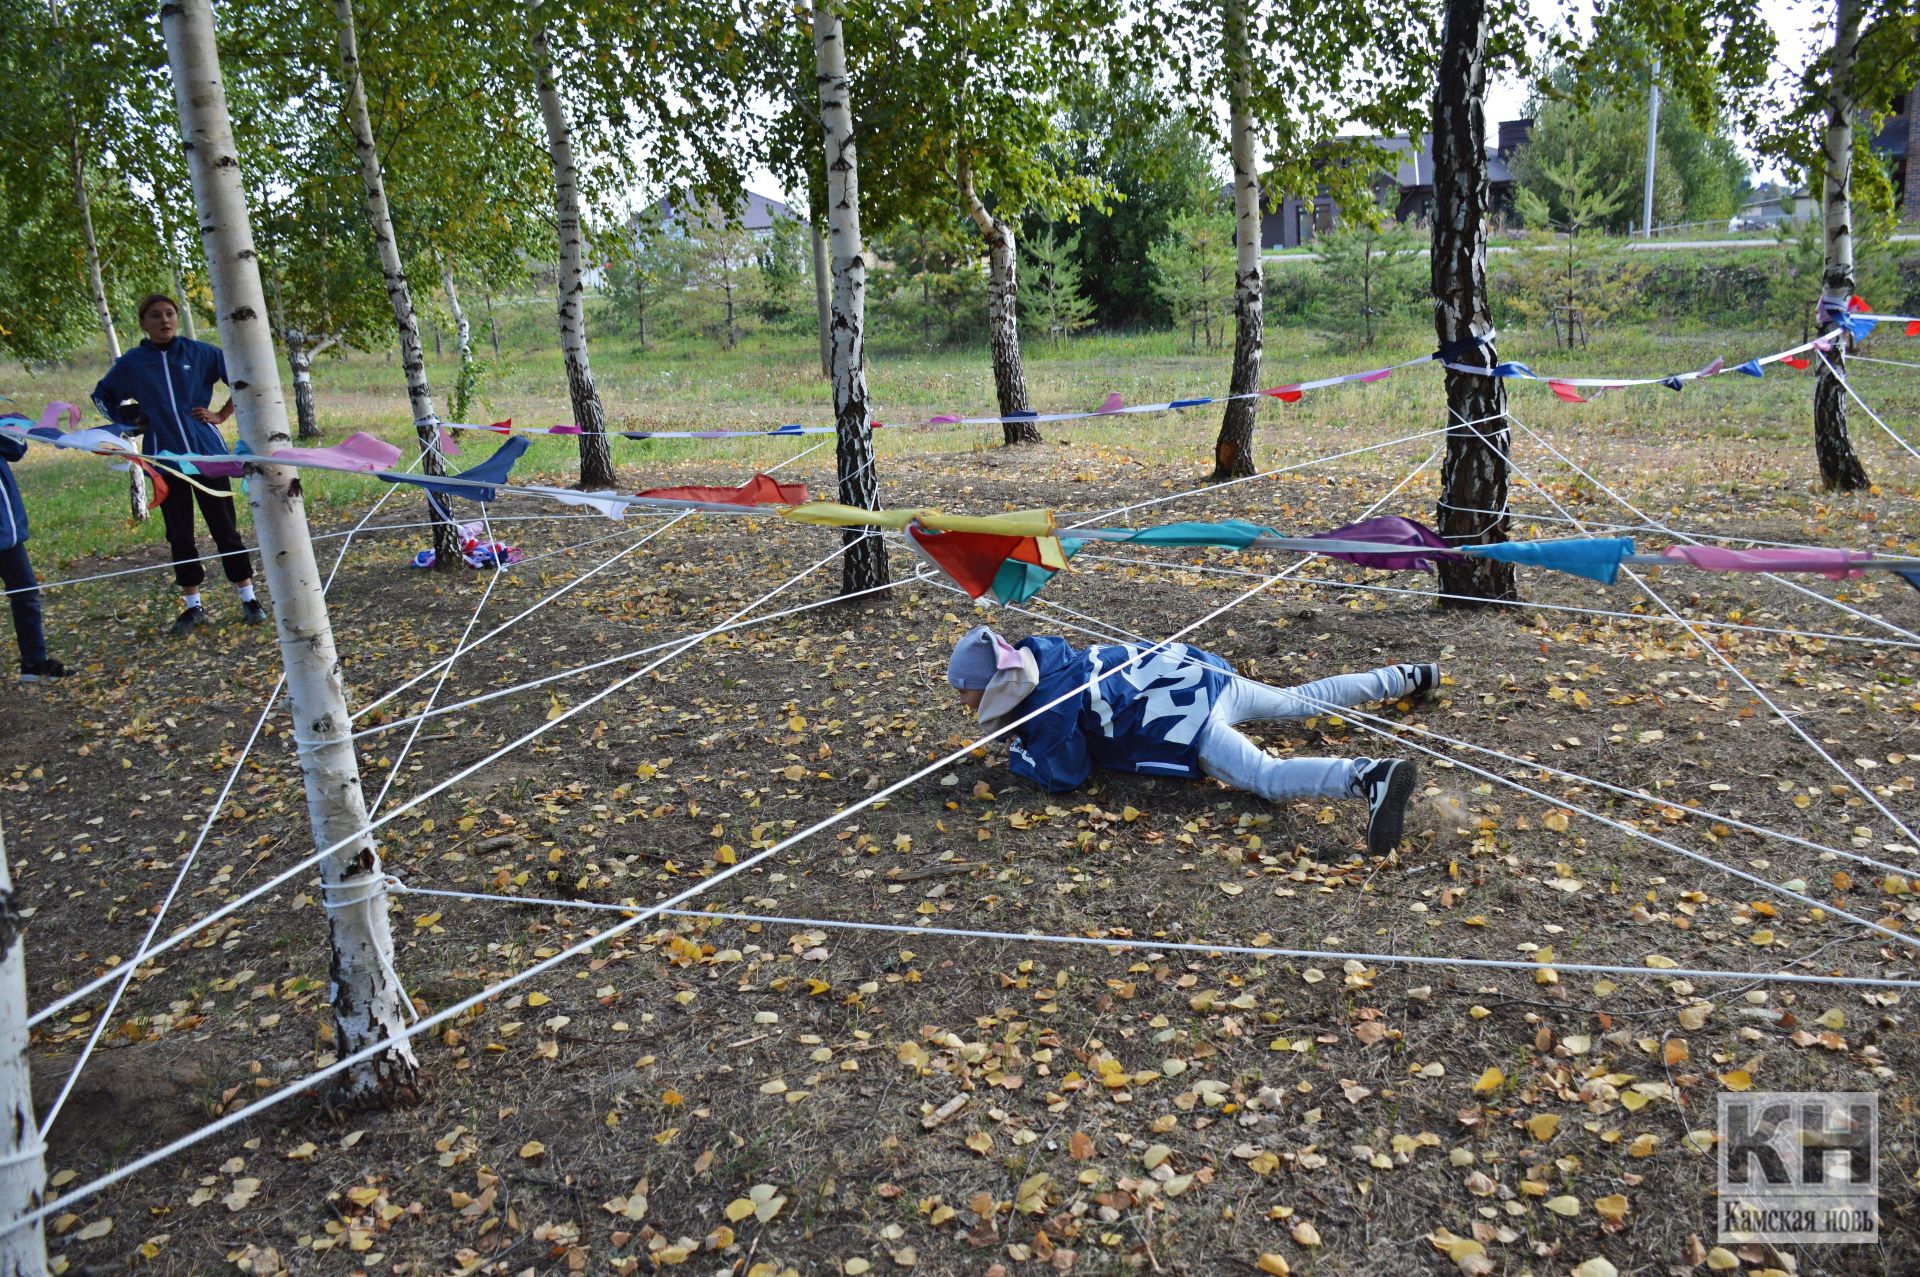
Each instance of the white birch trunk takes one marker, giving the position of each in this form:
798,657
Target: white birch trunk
1003,313
865,565
596,458
446,538
23,1170
463,338
1840,468
366,996
1233,448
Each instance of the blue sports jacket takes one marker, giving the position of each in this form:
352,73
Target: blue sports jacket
168,384
1147,718
13,512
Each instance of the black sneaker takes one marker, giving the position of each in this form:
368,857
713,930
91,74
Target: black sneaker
43,671
251,613
191,619
1386,785
1422,680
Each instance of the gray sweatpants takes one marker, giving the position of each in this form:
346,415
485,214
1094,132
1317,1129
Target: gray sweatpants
1231,758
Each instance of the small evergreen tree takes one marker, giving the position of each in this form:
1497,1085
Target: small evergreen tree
1192,269
1375,265
1582,295
1052,299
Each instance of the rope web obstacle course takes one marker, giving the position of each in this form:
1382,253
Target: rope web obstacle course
633,913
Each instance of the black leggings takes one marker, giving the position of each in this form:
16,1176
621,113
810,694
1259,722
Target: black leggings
222,524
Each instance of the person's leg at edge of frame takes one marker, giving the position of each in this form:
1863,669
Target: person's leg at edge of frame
16,574
223,525
176,514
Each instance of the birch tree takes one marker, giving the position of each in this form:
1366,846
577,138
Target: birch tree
446,537
1473,479
1840,469
1293,86
596,458
367,1001
864,566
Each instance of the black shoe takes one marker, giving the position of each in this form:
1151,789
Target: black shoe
191,619
43,671
1386,785
1422,680
251,613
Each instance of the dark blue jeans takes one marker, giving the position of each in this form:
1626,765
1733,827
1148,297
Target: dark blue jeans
17,574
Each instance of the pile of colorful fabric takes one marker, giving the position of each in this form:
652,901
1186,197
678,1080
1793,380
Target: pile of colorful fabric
475,550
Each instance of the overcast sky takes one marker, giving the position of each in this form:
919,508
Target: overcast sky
1799,25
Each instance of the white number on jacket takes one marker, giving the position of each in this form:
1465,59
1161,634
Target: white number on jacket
1167,671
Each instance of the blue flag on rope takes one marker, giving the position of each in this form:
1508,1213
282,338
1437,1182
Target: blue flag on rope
1596,558
1752,368
1514,368
493,470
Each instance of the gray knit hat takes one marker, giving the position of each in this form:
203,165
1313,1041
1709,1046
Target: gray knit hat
975,659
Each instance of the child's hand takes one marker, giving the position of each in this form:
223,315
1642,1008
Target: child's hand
203,414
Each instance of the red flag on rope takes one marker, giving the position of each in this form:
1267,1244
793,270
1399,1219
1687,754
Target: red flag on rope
759,490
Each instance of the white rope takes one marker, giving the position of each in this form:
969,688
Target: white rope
576,671
1775,577
1264,474
1869,359
460,1008
193,853
1534,516
549,598
1713,651
378,822
1120,943
1531,604
1848,387
1383,727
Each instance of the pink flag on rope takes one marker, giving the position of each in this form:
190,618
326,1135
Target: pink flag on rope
1713,369
358,451
1835,565
1112,403
448,448
1378,374
566,430
1286,394
943,421
1565,391
52,416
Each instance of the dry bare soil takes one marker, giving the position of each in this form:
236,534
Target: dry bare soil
759,1098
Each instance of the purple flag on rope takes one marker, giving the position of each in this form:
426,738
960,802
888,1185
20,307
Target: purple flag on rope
1389,529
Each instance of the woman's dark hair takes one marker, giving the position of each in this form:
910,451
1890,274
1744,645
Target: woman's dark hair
152,299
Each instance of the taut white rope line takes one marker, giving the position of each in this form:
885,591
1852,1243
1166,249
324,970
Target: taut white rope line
576,671
1382,727
1713,651
584,946
193,852
1775,577
540,603
68,999
1176,946
1848,387
1736,627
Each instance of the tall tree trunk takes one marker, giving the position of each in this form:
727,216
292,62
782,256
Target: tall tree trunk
1840,469
23,1168
463,338
1233,449
1003,313
864,567
822,297
596,458
1474,478
367,999
493,329
186,307
426,423
300,362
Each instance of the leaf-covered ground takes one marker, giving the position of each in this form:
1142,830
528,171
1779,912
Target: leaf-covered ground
754,1098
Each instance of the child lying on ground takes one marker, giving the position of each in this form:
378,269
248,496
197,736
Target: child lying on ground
1174,714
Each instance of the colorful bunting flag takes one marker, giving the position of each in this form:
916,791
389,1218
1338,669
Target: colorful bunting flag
759,490
1596,558
1389,529
1835,565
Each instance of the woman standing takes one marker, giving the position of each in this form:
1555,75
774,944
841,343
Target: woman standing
162,388
23,591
